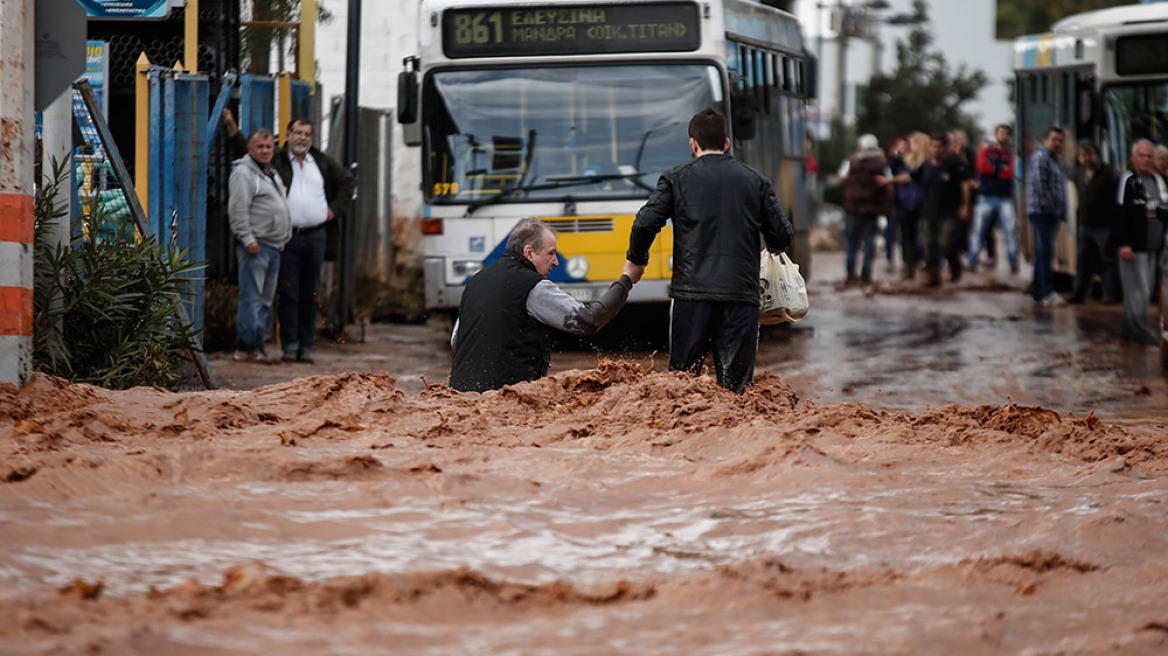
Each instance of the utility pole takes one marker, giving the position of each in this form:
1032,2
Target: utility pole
843,20
345,290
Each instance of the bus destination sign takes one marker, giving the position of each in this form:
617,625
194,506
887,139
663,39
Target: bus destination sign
520,30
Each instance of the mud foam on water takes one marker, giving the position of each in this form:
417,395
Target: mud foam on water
601,511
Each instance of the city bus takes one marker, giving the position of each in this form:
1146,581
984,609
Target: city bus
570,110
1100,75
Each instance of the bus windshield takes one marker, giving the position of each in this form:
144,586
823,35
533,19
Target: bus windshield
1133,112
550,133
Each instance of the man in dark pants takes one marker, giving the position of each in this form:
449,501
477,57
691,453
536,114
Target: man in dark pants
319,190
503,335
945,179
719,207
1046,205
1096,182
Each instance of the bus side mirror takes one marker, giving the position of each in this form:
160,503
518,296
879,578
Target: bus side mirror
743,107
811,77
407,102
407,97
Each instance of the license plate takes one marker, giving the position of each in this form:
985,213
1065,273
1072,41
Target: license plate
584,295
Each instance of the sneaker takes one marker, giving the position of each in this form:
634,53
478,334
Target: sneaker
247,356
289,356
304,357
1053,300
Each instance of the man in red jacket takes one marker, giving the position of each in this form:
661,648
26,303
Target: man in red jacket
995,166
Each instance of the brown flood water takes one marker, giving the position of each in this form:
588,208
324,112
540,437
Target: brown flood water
943,473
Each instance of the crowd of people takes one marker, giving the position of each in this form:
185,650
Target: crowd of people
943,201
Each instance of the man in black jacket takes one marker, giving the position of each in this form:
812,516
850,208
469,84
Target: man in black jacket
320,191
1096,183
719,207
503,335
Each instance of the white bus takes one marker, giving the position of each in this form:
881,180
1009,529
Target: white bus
569,111
1100,75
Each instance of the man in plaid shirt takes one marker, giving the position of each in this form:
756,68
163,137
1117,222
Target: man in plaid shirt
1046,202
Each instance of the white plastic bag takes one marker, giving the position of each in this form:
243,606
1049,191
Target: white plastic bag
782,291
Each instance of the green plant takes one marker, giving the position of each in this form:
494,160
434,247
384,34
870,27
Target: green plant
105,311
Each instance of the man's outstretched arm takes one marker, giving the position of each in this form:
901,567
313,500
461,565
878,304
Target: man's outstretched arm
554,307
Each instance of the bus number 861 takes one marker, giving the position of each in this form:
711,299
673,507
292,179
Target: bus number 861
472,29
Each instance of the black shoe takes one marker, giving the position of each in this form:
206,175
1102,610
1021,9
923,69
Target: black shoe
304,358
289,357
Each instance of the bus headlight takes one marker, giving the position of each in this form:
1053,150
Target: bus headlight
671,263
467,267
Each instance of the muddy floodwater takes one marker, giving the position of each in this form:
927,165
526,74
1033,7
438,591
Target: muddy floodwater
952,472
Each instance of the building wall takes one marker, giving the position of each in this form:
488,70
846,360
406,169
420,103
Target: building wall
388,34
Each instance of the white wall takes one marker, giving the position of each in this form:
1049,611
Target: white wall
388,34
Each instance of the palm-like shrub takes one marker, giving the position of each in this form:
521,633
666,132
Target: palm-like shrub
105,310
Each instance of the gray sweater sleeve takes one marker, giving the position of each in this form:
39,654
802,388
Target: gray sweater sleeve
553,306
240,191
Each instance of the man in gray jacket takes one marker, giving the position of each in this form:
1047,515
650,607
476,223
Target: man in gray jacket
259,218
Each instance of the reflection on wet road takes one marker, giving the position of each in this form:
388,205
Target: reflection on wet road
914,352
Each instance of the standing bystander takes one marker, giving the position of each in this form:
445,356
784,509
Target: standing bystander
319,190
995,166
1046,205
945,179
909,197
719,208
1161,160
258,214
865,199
1139,234
1095,181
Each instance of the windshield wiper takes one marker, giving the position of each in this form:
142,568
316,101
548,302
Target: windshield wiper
633,177
557,183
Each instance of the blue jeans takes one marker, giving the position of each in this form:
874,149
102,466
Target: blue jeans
257,289
983,221
1045,229
299,287
860,230
891,230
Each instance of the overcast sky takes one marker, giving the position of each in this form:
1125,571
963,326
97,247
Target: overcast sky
963,30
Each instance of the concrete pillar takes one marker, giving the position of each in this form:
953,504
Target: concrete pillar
16,189
57,144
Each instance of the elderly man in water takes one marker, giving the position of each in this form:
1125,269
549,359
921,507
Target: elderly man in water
503,333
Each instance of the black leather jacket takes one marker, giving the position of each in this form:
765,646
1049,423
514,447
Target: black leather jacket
720,207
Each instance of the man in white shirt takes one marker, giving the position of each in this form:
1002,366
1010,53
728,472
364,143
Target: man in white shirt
319,191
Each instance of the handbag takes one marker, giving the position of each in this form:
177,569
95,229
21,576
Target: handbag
782,291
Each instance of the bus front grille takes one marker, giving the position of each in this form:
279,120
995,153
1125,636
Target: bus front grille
582,225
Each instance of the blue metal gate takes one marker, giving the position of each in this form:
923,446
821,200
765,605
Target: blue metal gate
179,105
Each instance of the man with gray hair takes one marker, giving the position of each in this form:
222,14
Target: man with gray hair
1139,234
503,332
259,219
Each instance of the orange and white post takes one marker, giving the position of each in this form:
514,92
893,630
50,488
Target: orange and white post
16,189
